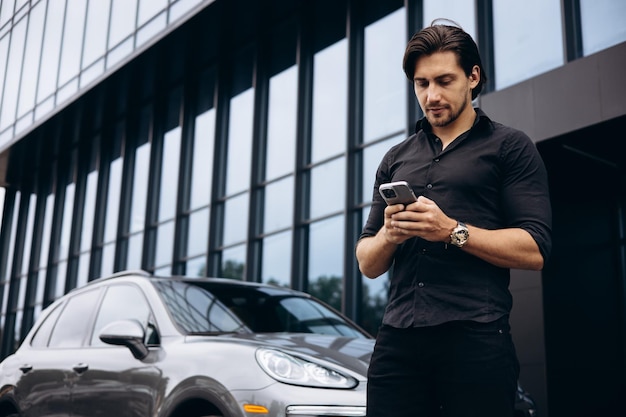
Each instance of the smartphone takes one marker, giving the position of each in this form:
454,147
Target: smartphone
398,192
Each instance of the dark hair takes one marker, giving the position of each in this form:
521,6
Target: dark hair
440,37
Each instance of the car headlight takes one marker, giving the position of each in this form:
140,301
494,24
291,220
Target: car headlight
293,370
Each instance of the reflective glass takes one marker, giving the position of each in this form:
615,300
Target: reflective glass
181,7
386,86
148,9
140,188
281,124
135,244
13,73
239,142
108,257
83,269
31,59
462,12
28,237
89,211
326,259
47,225
6,11
328,183
277,259
202,174
95,31
67,220
198,232
234,262
279,200
603,24
196,267
169,174
372,157
122,24
147,32
113,200
236,219
165,244
330,91
520,50
72,40
59,290
7,266
51,51
4,50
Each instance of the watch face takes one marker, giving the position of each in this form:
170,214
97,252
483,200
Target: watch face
459,236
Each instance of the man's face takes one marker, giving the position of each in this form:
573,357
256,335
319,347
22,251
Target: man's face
442,88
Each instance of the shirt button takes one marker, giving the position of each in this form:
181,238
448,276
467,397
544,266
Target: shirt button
436,159
429,186
420,284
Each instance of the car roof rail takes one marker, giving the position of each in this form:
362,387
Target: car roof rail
125,273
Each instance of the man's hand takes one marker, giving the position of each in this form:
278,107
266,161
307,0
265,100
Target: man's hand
423,218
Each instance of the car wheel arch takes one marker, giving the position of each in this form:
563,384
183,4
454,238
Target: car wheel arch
198,397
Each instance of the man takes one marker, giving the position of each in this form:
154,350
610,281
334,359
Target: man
444,347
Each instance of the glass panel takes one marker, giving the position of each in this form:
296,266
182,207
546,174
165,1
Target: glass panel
277,259
328,183
83,269
461,11
372,156
202,176
516,38
108,259
91,189
326,260
239,142
72,40
281,124
196,267
330,88
66,221
603,24
71,329
113,200
169,174
96,31
233,262
385,86
180,8
236,219
198,232
4,275
45,237
31,60
135,244
28,238
140,188
278,205
148,9
148,31
4,50
6,10
123,14
14,71
61,279
165,244
51,50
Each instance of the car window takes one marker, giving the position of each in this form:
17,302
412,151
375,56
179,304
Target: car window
120,302
196,310
42,335
71,329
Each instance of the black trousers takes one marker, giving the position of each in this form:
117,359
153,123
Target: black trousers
457,369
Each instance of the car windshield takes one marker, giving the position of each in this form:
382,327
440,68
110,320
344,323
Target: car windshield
207,307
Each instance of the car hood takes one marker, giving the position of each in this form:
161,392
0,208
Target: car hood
351,353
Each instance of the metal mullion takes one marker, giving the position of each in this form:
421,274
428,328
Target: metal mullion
573,33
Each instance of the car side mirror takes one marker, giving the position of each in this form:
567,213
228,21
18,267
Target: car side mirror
129,333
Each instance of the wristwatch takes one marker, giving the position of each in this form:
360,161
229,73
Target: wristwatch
459,235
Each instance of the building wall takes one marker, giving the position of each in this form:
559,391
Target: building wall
248,150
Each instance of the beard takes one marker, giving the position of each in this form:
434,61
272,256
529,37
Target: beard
447,118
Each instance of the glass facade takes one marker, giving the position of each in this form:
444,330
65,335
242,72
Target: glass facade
247,153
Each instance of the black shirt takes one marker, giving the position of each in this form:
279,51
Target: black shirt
492,177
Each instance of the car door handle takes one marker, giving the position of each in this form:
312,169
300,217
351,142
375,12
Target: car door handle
80,368
26,368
